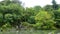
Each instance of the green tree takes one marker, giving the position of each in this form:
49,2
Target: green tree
57,18
37,9
44,20
11,12
48,8
55,6
28,15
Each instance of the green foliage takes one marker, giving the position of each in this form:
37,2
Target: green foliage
27,25
1,19
13,14
48,8
43,15
6,26
45,20
57,18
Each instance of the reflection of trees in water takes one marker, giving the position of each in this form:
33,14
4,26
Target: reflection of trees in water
54,32
33,31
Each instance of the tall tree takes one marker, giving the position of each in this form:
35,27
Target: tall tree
55,6
11,12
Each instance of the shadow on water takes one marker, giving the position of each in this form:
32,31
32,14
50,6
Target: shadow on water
13,31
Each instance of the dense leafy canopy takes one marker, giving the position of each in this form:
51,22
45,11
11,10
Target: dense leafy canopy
13,14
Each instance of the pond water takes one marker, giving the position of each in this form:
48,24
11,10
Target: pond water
31,32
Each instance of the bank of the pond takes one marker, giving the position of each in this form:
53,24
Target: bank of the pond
13,31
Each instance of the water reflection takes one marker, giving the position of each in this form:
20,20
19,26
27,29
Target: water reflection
32,32
40,32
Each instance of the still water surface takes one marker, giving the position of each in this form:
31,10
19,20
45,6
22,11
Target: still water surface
31,32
